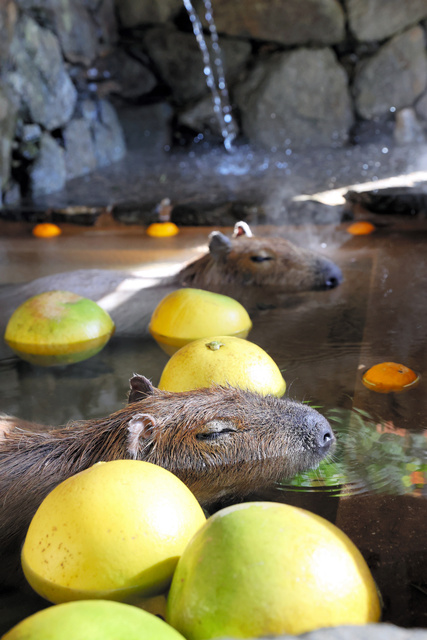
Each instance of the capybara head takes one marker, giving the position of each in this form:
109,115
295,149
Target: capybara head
271,263
223,441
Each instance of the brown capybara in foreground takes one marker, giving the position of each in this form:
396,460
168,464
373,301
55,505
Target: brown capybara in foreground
255,271
224,443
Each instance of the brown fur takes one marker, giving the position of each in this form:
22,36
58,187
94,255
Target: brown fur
221,442
274,264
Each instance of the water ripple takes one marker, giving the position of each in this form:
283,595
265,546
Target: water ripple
372,456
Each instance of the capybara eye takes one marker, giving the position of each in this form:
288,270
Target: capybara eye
213,435
215,429
261,258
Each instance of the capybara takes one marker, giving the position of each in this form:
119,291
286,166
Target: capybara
255,271
224,443
260,263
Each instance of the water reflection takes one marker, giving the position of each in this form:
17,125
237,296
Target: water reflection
372,456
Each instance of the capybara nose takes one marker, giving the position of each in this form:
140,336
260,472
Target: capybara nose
331,283
332,275
324,436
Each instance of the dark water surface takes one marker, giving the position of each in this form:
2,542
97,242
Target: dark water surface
375,486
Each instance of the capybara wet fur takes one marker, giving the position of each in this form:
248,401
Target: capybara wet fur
222,442
271,264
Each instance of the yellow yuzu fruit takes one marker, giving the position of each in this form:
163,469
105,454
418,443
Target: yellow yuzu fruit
114,531
188,314
58,327
386,377
94,620
265,568
222,360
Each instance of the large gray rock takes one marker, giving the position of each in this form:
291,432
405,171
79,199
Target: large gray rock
38,76
106,131
408,130
133,13
179,61
124,75
80,155
8,17
201,117
48,173
76,31
106,21
298,99
84,28
394,77
360,632
7,129
421,107
379,19
289,22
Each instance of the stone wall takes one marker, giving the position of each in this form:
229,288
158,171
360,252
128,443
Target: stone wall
54,122
300,73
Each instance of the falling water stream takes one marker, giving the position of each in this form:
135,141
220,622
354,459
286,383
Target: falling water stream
214,71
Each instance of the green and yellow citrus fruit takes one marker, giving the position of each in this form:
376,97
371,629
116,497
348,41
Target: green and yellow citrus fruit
188,314
264,568
114,531
222,360
57,328
94,620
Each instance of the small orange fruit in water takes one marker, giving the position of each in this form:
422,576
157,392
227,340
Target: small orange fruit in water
162,229
386,377
361,228
46,230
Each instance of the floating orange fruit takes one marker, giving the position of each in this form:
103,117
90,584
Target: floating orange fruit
386,377
46,230
162,229
361,228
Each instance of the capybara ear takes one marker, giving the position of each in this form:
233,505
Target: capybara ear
219,245
140,427
140,388
242,228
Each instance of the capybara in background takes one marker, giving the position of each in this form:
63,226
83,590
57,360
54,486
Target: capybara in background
255,271
223,443
260,263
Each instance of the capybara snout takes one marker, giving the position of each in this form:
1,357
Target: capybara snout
329,274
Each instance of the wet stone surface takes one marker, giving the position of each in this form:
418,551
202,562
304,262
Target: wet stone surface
249,183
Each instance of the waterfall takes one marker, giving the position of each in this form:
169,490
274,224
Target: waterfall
214,71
